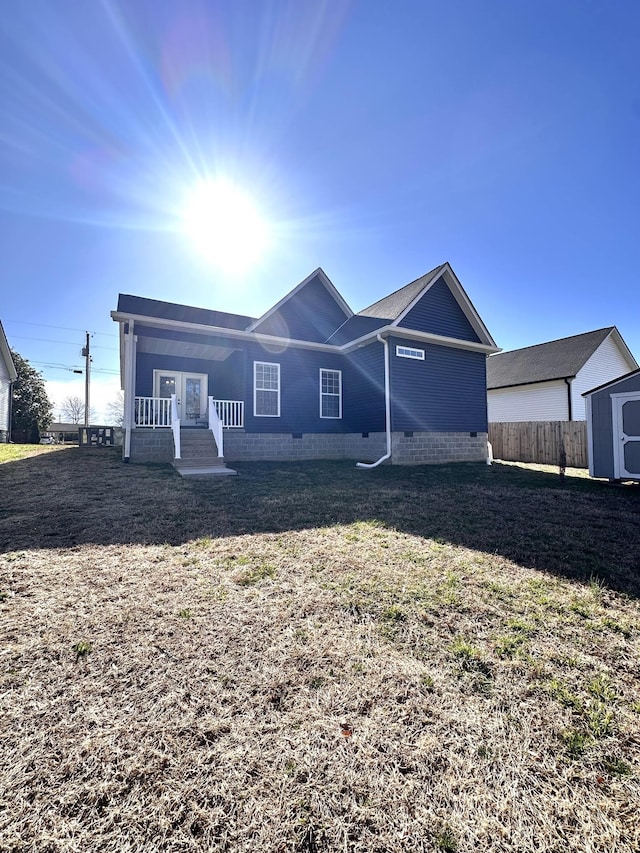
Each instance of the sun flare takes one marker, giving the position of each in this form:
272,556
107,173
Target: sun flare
225,226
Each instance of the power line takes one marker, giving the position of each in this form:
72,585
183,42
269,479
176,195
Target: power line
64,328
50,341
72,368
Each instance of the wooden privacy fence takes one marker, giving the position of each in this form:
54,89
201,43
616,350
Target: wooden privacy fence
540,441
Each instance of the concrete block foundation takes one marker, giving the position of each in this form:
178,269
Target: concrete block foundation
417,448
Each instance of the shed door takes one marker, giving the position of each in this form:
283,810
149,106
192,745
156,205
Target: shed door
626,435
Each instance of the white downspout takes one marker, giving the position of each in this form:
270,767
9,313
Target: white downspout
387,408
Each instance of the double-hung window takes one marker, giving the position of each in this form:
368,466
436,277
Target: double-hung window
330,393
266,389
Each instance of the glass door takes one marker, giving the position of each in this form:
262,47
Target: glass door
190,390
192,398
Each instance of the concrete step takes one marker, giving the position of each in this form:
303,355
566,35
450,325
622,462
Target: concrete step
199,454
202,468
209,459
196,444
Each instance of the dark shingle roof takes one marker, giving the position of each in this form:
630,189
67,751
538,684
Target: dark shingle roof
170,311
553,360
393,305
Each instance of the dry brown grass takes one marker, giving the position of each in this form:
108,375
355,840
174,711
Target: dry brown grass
314,658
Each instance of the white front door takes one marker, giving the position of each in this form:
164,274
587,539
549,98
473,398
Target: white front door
190,390
626,435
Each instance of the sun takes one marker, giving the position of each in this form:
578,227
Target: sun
224,225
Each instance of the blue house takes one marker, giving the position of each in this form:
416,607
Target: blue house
402,381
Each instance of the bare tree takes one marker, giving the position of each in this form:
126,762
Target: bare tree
115,410
72,410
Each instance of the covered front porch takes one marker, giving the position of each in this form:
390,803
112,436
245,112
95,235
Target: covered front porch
184,388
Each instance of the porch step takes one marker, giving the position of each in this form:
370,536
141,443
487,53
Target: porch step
197,443
199,455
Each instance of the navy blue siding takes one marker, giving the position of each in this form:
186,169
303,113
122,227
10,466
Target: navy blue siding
312,314
364,389
447,392
299,391
438,312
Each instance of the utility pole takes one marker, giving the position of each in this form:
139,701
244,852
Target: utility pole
87,371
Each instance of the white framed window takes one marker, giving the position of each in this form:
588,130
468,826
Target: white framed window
409,352
266,389
330,393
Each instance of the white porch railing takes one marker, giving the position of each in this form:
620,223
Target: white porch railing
230,412
152,412
157,412
175,426
215,425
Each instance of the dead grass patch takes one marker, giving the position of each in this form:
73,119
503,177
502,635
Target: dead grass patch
312,658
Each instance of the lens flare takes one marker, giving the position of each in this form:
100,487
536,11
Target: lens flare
225,226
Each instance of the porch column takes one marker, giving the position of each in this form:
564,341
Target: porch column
130,341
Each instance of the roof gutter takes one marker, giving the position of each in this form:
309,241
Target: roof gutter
238,334
387,408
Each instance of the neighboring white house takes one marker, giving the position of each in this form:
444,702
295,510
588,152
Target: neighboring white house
7,376
546,382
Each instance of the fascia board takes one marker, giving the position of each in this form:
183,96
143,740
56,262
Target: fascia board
201,328
427,337
530,382
329,286
6,354
624,349
461,298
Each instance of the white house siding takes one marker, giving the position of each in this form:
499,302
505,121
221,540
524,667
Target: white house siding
4,399
541,401
606,363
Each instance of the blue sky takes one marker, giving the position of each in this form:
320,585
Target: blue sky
377,139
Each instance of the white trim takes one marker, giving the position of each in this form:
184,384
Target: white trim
269,364
181,377
459,294
183,325
329,394
413,335
409,352
617,402
129,386
589,414
324,279
410,334
5,351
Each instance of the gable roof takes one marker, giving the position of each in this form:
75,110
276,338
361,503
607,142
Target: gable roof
560,359
319,320
141,306
401,302
5,353
396,303
612,382
324,279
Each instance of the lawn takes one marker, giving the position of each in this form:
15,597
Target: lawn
310,657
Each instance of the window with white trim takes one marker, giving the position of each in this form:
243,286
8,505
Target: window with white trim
266,389
330,393
409,352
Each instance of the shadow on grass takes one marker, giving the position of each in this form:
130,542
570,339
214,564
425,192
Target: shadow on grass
577,528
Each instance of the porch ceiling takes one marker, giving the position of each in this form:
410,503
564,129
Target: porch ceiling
184,349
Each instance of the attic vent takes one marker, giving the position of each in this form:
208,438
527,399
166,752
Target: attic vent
409,352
